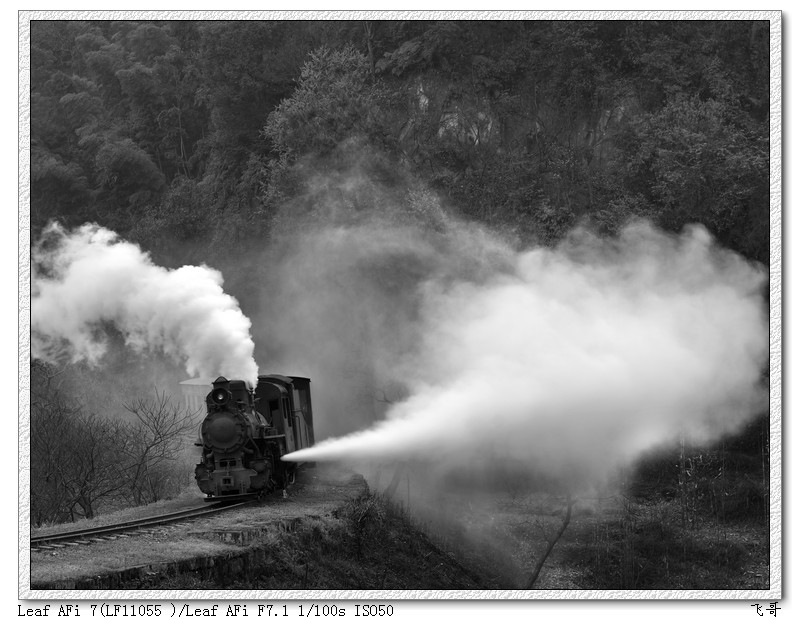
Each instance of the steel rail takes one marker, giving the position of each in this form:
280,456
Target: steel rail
38,542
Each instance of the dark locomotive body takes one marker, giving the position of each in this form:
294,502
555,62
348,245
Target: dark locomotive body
246,432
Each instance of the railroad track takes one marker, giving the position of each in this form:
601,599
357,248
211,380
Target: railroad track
110,532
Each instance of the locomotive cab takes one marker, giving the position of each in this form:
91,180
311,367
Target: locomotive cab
286,404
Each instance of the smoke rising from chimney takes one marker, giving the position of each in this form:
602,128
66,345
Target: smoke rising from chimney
88,279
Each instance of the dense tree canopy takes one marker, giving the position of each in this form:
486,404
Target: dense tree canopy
192,131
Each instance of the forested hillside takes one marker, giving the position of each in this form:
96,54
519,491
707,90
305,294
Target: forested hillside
179,132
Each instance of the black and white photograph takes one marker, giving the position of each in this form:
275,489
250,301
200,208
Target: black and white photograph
379,306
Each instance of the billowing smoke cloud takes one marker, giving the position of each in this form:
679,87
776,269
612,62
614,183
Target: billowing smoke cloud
580,358
88,279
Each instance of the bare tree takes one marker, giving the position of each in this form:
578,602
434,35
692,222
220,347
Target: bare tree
73,455
51,422
551,543
82,462
94,464
153,446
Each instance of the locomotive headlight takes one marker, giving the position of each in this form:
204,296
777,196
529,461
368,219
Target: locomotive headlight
220,396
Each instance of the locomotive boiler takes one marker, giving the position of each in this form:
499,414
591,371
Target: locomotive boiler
246,432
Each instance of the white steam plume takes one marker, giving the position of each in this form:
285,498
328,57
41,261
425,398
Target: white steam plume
89,278
581,359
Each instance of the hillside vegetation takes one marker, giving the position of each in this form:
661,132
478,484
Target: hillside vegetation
181,135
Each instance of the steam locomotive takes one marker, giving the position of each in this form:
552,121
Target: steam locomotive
246,432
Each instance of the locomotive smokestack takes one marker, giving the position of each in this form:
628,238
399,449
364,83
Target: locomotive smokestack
89,277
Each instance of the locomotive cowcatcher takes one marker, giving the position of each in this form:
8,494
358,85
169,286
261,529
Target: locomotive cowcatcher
246,432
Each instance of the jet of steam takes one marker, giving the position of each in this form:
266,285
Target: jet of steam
88,279
581,359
